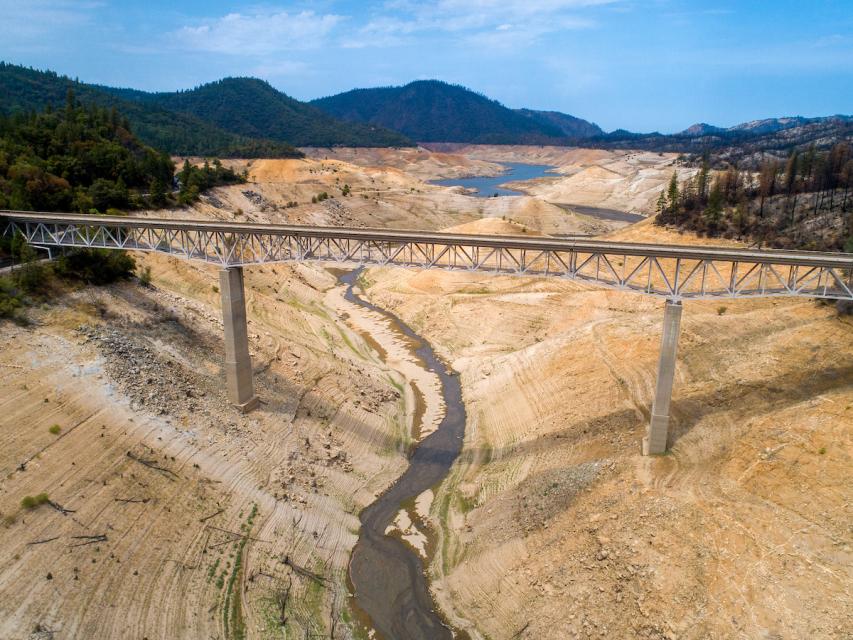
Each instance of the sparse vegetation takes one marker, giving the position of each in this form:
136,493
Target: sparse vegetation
807,203
145,277
194,180
32,502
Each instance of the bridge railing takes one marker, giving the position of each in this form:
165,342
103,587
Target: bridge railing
672,272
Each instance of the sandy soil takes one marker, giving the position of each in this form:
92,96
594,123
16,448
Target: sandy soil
383,196
554,526
389,188
551,524
205,512
419,162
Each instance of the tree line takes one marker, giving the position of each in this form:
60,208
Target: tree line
803,202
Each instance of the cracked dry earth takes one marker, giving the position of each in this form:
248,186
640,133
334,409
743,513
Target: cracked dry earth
552,525
173,515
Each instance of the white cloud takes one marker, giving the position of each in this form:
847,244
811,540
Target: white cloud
500,23
258,33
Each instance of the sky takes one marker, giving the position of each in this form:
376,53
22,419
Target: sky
641,65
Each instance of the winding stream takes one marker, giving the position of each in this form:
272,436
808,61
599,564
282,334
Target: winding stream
390,587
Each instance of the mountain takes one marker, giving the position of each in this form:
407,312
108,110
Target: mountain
570,126
744,144
772,125
252,108
23,89
701,129
435,111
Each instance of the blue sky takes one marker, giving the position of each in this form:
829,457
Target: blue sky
641,65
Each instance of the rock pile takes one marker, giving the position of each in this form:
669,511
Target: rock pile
154,383
259,201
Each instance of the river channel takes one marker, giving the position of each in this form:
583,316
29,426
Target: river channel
391,591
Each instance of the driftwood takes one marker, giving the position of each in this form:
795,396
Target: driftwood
520,631
212,515
133,500
35,542
305,573
101,537
281,600
60,508
150,464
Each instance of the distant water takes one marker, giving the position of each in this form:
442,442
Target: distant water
487,186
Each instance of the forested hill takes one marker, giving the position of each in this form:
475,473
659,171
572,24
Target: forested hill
77,158
570,126
251,107
27,90
434,111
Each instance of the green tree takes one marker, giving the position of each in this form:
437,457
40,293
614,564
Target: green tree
714,209
661,206
672,194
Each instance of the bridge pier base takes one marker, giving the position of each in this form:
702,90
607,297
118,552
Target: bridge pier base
238,363
655,441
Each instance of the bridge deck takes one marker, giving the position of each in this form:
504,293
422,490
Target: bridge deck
672,271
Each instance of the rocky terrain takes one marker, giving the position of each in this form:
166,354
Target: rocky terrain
168,514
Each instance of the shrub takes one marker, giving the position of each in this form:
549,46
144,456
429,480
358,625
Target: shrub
55,429
145,277
844,307
721,310
95,266
31,502
10,299
32,277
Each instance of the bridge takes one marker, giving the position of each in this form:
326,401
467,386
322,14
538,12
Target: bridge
670,272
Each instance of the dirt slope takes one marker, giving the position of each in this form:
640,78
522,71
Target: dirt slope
554,526
149,455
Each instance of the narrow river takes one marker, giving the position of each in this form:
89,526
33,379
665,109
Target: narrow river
391,591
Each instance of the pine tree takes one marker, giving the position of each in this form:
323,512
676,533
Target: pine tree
714,211
672,196
702,182
661,206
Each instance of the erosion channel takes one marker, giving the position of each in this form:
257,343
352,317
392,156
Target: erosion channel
391,592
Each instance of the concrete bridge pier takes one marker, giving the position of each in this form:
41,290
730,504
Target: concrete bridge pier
238,363
655,441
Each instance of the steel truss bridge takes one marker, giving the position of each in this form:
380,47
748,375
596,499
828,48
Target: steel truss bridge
670,271
673,272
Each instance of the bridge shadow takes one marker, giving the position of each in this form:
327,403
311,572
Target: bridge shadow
745,400
757,397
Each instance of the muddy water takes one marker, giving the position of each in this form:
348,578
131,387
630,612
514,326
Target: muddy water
391,591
